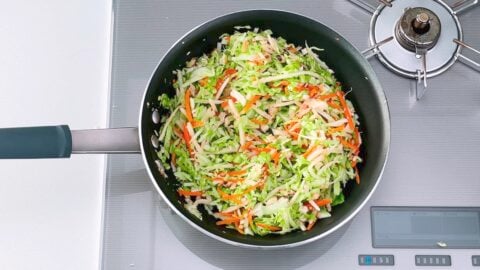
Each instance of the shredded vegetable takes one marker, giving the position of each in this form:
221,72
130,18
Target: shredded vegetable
260,135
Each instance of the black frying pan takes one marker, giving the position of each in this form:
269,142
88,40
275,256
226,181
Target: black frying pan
350,68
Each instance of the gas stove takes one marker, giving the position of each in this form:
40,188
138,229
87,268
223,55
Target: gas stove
425,211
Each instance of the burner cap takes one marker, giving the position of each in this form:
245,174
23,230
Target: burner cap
418,29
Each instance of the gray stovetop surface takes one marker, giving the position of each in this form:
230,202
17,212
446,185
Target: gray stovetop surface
434,156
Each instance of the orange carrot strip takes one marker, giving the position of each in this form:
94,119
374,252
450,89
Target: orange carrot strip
188,108
234,198
203,82
282,84
183,192
276,157
236,173
323,202
250,103
299,87
250,218
246,145
346,111
228,221
230,71
309,151
347,144
221,79
227,214
268,227
328,96
357,176
336,129
310,225
259,121
237,227
313,90
187,138
333,105
353,164
196,124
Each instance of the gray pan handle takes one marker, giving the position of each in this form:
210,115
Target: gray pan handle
61,142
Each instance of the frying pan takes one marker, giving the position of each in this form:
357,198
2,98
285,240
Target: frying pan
350,68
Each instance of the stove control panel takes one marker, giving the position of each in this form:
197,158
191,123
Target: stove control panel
376,260
433,260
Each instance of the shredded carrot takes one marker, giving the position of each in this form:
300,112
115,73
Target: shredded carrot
283,84
250,218
250,103
328,96
334,105
203,82
234,198
227,38
259,121
237,227
188,108
268,227
251,188
346,111
228,214
323,202
300,87
221,79
187,138
347,144
276,157
183,192
246,145
357,176
313,90
336,129
310,150
236,173
227,179
228,221
353,163
310,224
196,124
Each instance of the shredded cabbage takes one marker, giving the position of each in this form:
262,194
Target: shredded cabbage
260,135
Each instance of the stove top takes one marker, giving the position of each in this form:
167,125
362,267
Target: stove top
433,159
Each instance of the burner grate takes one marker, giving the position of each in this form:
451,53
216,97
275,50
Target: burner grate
417,39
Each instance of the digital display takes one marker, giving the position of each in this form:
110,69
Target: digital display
425,227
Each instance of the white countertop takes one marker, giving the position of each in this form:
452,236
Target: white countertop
54,69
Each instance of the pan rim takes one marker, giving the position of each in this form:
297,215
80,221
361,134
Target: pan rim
385,147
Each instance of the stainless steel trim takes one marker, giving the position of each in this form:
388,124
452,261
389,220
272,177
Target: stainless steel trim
463,57
364,5
373,50
106,141
463,5
386,147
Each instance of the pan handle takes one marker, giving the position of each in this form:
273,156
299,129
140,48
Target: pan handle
106,141
61,142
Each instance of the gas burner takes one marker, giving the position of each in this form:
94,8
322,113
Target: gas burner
403,33
418,29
